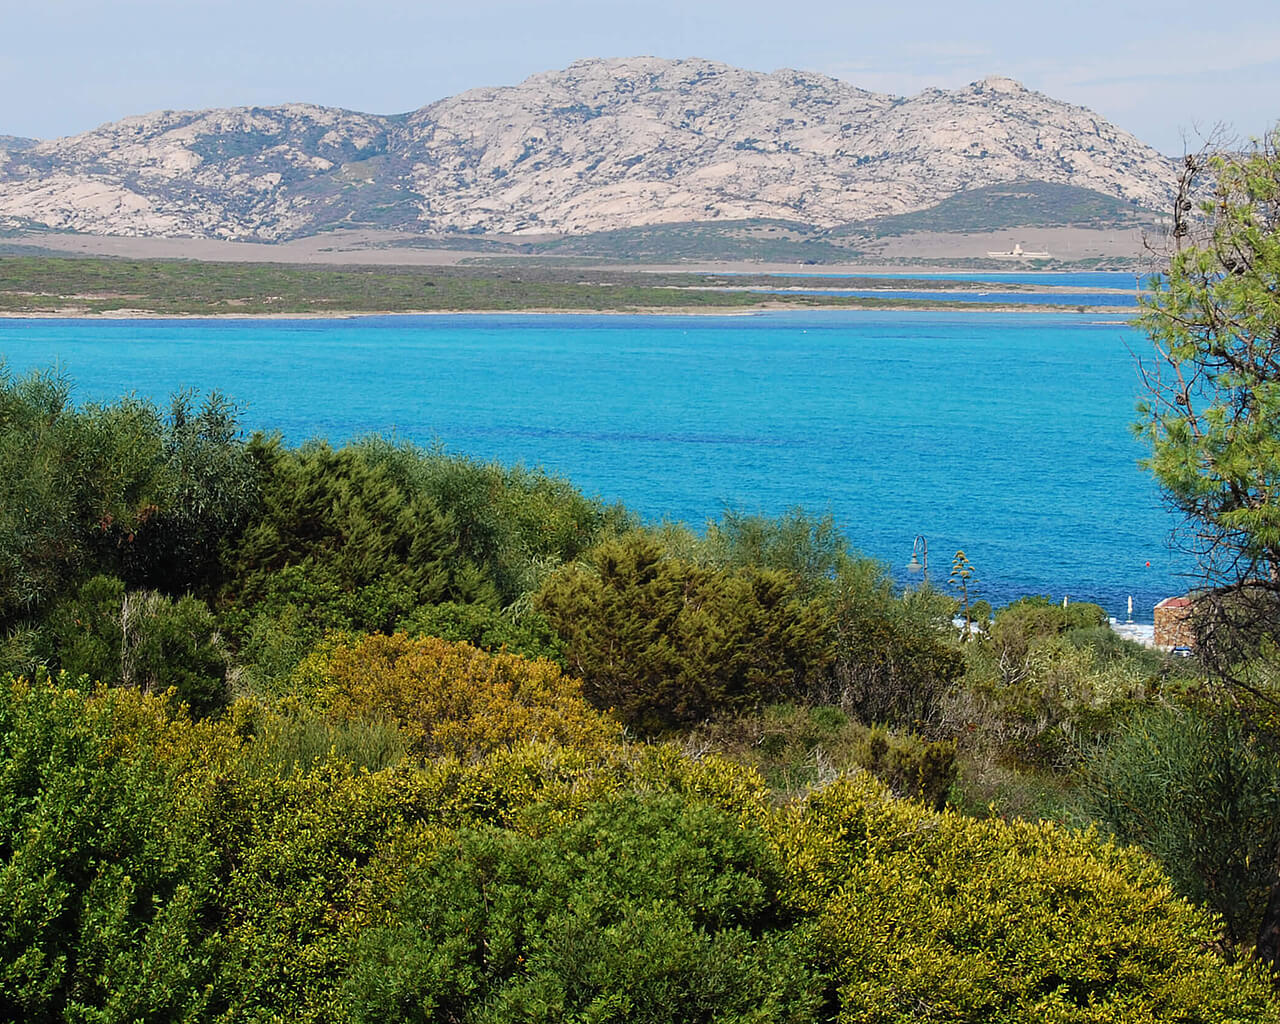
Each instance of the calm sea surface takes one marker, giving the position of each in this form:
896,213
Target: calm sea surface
1123,300
1005,435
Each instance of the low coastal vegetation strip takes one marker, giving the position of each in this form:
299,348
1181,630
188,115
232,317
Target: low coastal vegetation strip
379,733
46,285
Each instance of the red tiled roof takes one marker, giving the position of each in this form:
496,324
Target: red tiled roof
1175,602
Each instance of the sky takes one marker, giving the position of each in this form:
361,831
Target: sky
1170,73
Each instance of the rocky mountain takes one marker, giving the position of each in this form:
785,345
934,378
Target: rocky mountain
600,145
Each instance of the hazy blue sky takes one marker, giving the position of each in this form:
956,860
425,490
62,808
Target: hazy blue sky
1160,70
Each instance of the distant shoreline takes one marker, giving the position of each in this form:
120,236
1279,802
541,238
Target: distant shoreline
88,287
953,307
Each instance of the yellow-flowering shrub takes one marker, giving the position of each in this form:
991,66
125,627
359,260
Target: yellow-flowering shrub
273,870
452,699
934,917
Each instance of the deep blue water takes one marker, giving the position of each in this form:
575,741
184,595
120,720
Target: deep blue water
1002,434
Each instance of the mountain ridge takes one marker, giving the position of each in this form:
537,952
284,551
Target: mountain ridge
603,144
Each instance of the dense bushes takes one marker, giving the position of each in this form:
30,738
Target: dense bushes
155,868
75,486
345,526
1042,687
515,524
647,909
664,642
529,635
925,917
450,698
106,877
896,659
116,488
139,639
284,544
1200,788
798,747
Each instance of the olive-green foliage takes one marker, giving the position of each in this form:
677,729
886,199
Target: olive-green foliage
980,614
664,642
934,917
141,639
296,607
1040,689
75,486
106,876
896,658
911,767
1200,789
991,785
895,654
811,550
530,636
796,747
516,524
1110,648
346,525
208,490
113,488
81,634
292,737
272,641
1029,617
652,909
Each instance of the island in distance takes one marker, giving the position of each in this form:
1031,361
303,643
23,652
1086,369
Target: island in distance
638,157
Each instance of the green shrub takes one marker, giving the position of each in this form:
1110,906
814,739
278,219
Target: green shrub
208,489
1200,789
796,747
114,488
530,636
654,909
980,614
106,875
140,639
1019,622
664,642
934,917
1040,700
514,523
153,867
75,487
344,525
295,738
811,550
896,658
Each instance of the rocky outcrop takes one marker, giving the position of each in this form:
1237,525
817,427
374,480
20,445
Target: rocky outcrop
602,144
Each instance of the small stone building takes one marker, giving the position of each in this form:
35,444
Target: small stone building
1173,623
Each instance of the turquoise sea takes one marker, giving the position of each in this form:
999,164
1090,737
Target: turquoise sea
1124,301
1006,435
